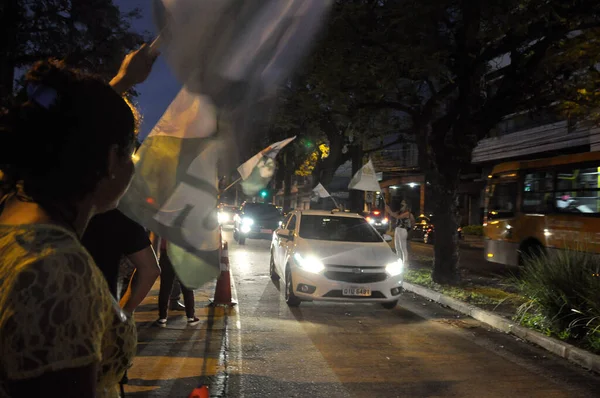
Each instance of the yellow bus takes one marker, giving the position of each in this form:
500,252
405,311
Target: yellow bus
541,205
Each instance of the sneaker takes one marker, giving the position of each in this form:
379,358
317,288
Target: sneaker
193,321
161,322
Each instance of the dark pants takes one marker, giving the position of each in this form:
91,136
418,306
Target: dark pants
176,292
167,277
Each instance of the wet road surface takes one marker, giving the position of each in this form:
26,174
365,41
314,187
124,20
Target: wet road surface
418,349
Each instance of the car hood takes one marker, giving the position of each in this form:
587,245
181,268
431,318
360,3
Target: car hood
347,253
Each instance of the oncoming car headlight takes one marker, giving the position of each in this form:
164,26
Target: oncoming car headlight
395,268
247,221
310,264
223,217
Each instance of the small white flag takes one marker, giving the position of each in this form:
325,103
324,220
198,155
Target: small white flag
269,152
320,191
258,170
365,179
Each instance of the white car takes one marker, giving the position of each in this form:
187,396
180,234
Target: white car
323,255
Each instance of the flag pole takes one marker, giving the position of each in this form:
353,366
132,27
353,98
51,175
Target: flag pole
232,184
334,202
155,45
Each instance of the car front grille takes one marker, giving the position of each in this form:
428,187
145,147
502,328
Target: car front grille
352,277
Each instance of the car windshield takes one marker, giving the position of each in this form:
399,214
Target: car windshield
340,229
261,210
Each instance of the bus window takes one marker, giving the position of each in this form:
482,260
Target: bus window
538,190
502,200
577,190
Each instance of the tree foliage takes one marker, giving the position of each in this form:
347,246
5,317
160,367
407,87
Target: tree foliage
89,34
450,70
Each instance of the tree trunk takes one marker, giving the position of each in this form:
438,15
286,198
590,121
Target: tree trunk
446,250
8,46
287,183
357,198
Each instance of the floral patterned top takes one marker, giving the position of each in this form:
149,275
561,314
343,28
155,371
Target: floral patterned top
56,310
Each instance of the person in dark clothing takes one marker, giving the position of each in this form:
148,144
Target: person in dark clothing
167,278
111,236
176,305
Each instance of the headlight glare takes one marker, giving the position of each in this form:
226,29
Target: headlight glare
309,263
247,221
223,217
395,268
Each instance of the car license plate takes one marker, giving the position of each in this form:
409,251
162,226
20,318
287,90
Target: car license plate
266,231
356,291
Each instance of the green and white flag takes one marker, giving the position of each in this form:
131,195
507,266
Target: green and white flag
259,169
230,55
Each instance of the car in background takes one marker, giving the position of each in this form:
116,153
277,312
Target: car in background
429,235
420,228
256,221
334,256
378,220
226,215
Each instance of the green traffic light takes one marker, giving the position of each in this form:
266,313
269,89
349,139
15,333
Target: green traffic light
263,193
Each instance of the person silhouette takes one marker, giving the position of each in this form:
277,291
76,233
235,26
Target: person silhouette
404,222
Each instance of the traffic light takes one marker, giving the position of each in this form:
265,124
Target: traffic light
264,193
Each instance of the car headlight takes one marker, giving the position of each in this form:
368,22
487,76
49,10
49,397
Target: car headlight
223,217
385,221
310,263
247,221
395,268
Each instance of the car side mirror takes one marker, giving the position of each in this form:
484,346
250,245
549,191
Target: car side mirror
285,234
387,238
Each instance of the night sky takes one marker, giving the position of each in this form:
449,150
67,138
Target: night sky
161,87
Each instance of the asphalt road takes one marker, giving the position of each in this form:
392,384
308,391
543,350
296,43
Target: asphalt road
418,349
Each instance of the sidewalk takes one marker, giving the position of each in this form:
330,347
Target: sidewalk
170,360
492,299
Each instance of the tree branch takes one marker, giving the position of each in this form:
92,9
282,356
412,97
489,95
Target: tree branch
398,140
389,105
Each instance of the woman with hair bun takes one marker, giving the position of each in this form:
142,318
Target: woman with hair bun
65,154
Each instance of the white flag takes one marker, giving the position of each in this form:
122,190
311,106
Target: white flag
320,191
365,179
230,49
229,55
269,152
258,170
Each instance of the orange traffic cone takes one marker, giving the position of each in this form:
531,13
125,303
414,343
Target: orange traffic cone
200,392
223,289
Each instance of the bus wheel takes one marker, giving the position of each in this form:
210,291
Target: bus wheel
530,249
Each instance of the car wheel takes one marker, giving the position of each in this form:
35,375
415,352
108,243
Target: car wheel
390,305
272,270
242,240
290,297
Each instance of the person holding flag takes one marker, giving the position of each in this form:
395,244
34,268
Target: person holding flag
405,220
80,166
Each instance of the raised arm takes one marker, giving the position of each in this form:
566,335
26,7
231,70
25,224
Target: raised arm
135,68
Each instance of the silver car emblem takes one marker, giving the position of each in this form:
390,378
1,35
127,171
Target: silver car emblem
358,270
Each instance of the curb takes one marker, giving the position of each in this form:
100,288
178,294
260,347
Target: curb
564,350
